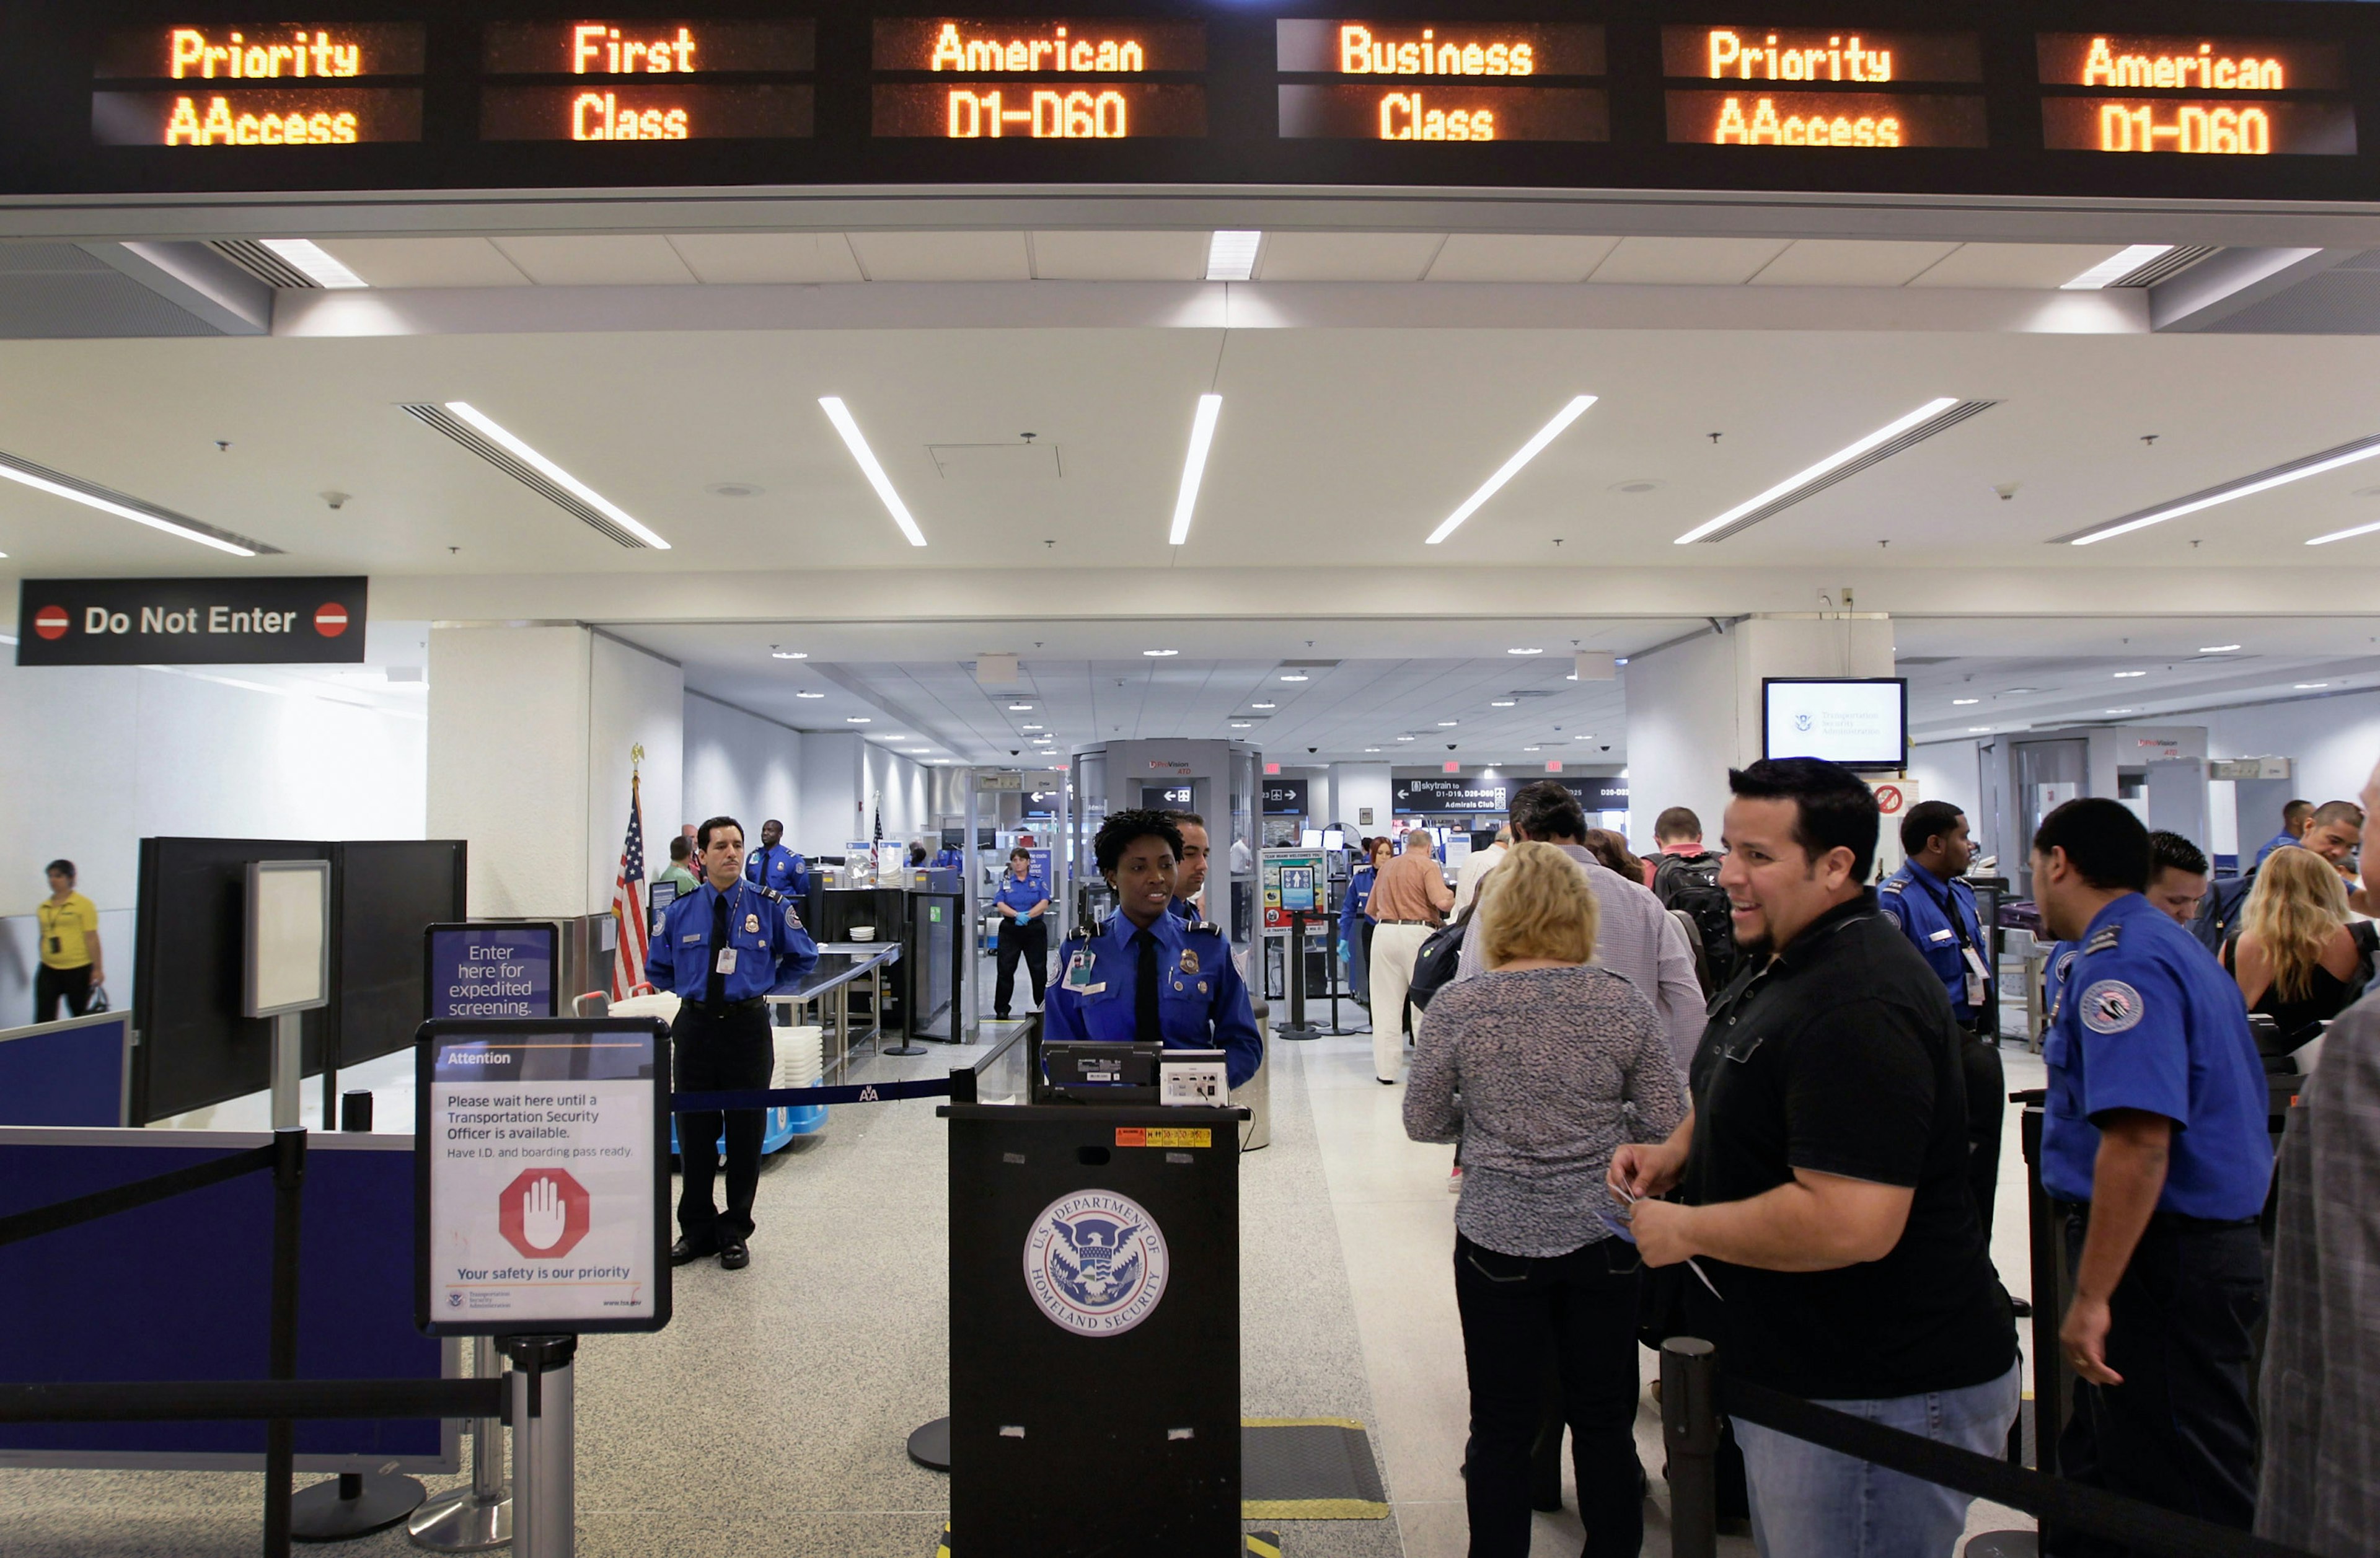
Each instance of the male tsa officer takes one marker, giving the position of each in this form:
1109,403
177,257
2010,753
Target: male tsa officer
773,865
1148,975
1936,911
2155,1142
1190,879
721,950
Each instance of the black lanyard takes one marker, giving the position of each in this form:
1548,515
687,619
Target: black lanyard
1948,904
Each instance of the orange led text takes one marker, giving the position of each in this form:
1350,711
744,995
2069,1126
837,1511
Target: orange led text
1841,60
1361,53
598,116
2206,131
218,126
307,55
1057,51
1404,116
1765,127
2103,66
596,49
1047,116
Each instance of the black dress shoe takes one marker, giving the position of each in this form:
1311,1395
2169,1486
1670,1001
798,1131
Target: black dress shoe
999,1017
687,1250
734,1255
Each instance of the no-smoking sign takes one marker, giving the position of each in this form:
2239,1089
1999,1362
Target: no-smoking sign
1890,798
543,1213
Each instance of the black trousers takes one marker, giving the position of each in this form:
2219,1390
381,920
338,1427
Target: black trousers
731,1049
1030,941
1579,1309
2180,1431
1986,1080
53,985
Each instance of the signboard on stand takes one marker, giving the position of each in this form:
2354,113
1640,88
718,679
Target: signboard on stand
541,1177
491,970
1291,881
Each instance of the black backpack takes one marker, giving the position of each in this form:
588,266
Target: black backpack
1440,958
1690,884
2219,912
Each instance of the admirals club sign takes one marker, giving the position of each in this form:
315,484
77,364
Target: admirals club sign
190,621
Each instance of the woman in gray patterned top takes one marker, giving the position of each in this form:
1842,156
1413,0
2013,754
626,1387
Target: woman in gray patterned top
1541,1067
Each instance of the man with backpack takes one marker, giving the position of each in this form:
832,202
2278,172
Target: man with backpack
1685,877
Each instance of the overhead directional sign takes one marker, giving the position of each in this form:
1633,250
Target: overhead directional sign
226,621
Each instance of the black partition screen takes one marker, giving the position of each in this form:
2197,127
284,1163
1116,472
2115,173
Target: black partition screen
195,1047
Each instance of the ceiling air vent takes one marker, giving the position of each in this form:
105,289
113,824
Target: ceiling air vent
529,476
263,264
2177,258
165,518
1949,418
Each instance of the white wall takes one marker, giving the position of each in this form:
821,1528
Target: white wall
739,765
1949,771
99,757
508,724
899,788
1680,732
1355,785
831,809
2335,740
635,699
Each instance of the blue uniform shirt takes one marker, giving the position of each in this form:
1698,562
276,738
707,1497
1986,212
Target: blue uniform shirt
2282,840
778,867
1350,906
771,945
1020,895
949,859
2147,1021
1934,915
1201,1003
1183,908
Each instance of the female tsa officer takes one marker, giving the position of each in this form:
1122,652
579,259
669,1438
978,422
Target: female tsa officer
1146,975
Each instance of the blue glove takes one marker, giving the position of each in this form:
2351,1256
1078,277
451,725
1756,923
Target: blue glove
1344,955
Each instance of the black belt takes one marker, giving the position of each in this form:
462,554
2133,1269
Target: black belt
1429,922
749,1004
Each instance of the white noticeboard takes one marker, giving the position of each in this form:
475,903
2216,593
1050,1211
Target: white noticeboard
288,962
544,1177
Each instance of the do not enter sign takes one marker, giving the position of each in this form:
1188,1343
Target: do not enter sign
216,620
331,620
51,622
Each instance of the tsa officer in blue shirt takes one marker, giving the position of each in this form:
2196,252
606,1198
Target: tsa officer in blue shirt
773,865
1022,905
721,949
1936,911
1148,975
1192,879
2296,818
2155,1138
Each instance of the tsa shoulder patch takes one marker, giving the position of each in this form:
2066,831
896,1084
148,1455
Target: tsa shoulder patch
1889,906
2111,1006
792,917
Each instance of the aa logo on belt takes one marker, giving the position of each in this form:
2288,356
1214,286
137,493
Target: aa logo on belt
1096,1264
2110,1006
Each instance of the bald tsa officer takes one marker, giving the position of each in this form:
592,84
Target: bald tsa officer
1149,976
721,949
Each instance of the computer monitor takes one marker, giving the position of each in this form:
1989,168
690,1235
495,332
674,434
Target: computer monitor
1334,838
1309,838
1099,1072
1858,721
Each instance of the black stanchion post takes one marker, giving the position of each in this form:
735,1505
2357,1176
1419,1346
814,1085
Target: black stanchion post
281,1347
2050,1381
1690,1434
1299,1027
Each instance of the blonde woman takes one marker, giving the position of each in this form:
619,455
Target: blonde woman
1547,1054
2296,957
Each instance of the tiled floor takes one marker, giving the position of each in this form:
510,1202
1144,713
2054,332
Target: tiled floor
770,1416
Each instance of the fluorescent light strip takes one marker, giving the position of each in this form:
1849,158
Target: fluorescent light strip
2116,267
1511,468
2279,475
496,432
1839,458
2325,540
1194,465
1232,256
840,414
46,481
315,262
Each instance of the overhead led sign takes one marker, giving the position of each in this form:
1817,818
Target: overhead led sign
1058,46
1449,113
2118,62
1863,121
628,113
1060,111
1849,56
648,48
260,52
281,118
2214,127
1456,50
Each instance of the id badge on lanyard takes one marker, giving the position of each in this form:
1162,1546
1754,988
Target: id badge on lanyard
1979,979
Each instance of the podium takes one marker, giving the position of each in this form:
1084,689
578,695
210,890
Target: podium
1095,1330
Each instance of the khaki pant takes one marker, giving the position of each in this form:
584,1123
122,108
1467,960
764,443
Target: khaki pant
1394,947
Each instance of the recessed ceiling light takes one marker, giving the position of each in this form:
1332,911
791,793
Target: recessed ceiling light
1032,727
1264,705
2126,675
554,473
2116,267
2309,687
1194,466
1634,489
809,695
856,442
1957,702
315,262
1446,724
1244,725
1232,255
1503,703
1525,652
2015,690
789,654
2343,535
1020,708
856,719
1621,660
733,490
1405,738
1840,457
2216,648
2123,711
1295,676
1977,729
1528,749
2246,486
1371,748
1159,654
118,503
1569,413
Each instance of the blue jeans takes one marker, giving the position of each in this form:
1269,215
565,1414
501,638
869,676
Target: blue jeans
1814,1503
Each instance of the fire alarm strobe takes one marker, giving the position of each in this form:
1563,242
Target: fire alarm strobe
543,1213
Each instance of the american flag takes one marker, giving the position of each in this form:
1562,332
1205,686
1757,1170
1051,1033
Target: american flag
627,904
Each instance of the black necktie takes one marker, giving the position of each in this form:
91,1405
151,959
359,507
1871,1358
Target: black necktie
1144,998
715,989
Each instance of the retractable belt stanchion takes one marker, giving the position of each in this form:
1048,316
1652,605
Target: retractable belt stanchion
281,1345
544,1455
1690,1433
477,1518
1297,1026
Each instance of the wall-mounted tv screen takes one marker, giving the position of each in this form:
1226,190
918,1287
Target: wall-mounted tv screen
1860,722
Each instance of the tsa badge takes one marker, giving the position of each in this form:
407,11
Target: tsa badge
1189,961
751,924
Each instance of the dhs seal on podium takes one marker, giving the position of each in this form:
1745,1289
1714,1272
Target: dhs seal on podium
1096,1264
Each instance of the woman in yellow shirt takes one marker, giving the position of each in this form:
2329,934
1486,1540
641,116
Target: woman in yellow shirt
70,959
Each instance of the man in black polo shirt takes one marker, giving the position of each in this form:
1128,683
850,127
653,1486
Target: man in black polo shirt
1824,1169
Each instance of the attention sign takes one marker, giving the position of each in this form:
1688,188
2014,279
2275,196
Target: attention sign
190,621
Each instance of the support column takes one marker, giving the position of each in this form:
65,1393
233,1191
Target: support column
1355,786
1694,708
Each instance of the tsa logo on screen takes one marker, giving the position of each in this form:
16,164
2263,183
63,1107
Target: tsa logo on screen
1096,1264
